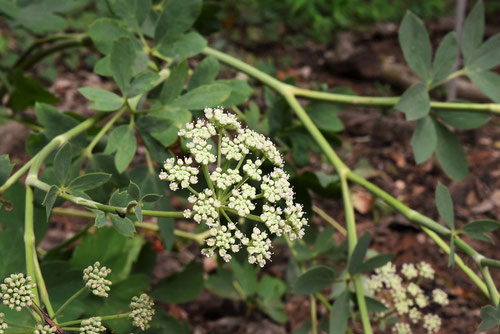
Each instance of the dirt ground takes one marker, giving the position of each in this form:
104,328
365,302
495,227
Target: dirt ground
382,139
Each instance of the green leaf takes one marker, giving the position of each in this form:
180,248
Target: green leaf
204,73
444,204
445,58
122,141
240,92
324,115
50,199
478,229
473,31
463,120
450,154
359,253
415,102
340,313
210,95
142,83
374,305
314,280
119,198
27,93
180,287
177,17
150,198
101,99
138,212
124,226
221,284
376,261
100,219
416,45
88,181
111,249
62,163
246,274
487,82
56,123
5,168
123,62
488,55
132,12
187,45
134,191
104,31
424,139
173,86
103,67
490,317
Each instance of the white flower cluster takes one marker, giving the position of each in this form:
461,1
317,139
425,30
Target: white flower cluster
180,173
95,279
141,311
406,297
3,324
15,291
40,329
92,326
235,184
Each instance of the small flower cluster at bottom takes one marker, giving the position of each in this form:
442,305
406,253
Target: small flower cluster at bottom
405,297
40,329
141,311
92,326
3,324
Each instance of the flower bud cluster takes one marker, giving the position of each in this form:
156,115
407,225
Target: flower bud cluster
141,311
95,279
236,186
403,294
3,324
40,329
92,326
15,291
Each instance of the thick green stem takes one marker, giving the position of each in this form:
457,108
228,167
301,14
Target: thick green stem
494,296
314,315
29,242
339,98
52,145
70,299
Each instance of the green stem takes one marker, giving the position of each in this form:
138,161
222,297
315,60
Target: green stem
339,98
29,242
206,173
105,317
314,315
87,152
67,302
494,296
330,220
12,324
52,145
453,75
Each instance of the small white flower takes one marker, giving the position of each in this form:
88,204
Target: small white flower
425,270
252,169
401,328
179,172
415,315
205,207
440,297
222,239
40,329
275,186
141,311
259,248
3,324
421,300
432,323
414,290
221,119
95,279
409,270
241,200
15,291
92,326
224,180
